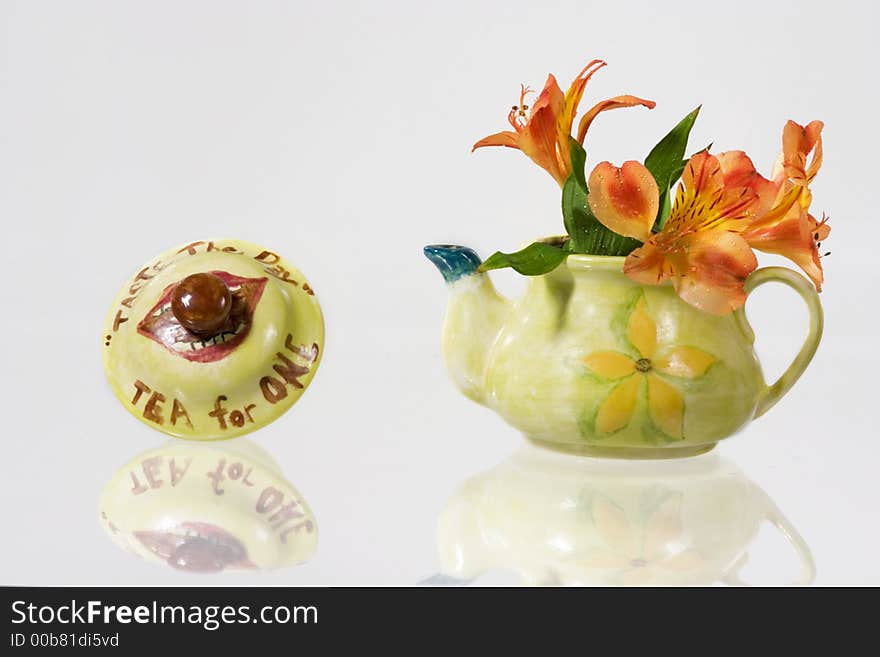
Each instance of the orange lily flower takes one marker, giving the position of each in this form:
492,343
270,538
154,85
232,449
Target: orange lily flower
787,228
699,249
543,131
723,209
783,224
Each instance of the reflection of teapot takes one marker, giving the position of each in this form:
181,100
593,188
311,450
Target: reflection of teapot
590,361
557,519
208,508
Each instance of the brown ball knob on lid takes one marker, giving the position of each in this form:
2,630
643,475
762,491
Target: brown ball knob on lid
201,303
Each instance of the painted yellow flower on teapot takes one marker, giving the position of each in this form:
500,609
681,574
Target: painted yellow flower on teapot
649,370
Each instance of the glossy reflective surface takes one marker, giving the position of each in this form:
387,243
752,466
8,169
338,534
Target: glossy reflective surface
396,516
208,509
562,520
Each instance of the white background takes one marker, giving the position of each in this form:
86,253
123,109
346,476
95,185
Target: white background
338,134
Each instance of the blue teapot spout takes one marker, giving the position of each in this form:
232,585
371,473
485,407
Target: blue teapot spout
453,261
474,316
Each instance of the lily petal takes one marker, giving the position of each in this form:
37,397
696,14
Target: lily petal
574,94
538,138
506,138
797,143
610,364
665,406
641,330
609,104
719,262
617,409
820,229
796,236
739,171
684,362
703,202
625,199
648,264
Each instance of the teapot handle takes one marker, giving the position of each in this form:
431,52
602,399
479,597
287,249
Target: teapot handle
775,517
773,393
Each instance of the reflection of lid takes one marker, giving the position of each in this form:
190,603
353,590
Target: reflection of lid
207,508
213,339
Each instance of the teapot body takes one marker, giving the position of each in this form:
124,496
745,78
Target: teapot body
590,361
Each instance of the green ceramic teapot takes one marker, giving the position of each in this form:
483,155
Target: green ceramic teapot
591,362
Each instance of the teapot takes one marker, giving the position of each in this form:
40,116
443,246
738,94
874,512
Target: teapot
591,362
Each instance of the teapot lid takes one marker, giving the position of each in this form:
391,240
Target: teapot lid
213,339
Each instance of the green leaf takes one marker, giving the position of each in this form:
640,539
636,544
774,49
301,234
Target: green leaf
665,208
576,214
578,161
536,259
575,211
668,154
666,163
586,233
666,196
